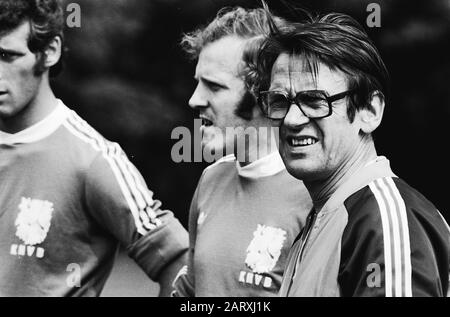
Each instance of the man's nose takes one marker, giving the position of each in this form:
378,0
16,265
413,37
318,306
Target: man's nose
198,98
295,117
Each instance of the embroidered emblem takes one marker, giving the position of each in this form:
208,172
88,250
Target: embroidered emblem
33,220
264,250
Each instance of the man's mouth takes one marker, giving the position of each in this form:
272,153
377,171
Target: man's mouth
301,140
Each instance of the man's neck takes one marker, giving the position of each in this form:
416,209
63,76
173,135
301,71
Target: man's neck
258,146
39,107
321,190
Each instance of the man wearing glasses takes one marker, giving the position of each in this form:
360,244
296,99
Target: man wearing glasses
369,233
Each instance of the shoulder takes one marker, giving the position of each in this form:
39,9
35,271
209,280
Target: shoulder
389,199
85,133
394,202
392,223
225,166
417,204
223,163
92,153
89,140
364,217
379,212
395,214
213,177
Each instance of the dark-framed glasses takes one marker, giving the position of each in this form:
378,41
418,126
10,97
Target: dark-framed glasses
314,104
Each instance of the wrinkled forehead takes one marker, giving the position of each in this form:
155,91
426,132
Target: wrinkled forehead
299,72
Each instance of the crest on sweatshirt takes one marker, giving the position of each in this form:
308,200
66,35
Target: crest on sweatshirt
264,250
33,220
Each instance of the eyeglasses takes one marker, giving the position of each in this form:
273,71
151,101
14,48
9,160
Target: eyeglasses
314,104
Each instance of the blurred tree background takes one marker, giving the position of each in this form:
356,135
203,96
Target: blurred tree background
126,75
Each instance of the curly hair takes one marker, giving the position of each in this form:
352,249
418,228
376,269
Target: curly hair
46,20
250,24
244,23
334,39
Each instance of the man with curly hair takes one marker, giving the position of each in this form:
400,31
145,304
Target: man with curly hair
247,210
68,197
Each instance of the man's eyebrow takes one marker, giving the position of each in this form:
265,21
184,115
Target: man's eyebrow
212,81
11,51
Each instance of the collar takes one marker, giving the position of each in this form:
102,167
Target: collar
268,165
375,169
39,130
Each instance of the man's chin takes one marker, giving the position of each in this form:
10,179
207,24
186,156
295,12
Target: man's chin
300,169
6,112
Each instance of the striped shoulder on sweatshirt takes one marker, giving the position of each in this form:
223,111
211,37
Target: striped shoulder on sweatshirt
394,243
219,168
138,197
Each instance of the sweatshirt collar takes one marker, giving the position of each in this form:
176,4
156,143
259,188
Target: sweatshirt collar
268,165
39,130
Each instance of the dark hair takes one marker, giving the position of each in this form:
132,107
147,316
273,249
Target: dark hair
336,40
251,24
46,20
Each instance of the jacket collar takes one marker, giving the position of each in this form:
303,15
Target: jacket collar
378,168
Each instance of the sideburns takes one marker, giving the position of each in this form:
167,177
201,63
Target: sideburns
244,108
39,66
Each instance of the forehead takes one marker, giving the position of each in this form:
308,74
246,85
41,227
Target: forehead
293,72
221,58
16,38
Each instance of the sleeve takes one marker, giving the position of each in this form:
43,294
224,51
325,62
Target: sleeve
448,238
362,265
389,251
119,200
184,283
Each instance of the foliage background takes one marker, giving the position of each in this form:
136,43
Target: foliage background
126,75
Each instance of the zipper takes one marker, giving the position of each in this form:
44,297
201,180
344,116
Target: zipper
305,236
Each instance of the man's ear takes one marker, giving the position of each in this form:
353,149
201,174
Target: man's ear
53,52
370,117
